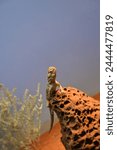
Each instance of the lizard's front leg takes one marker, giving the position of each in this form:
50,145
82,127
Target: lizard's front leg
60,87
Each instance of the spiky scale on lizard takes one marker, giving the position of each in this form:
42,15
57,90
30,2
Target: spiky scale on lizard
51,89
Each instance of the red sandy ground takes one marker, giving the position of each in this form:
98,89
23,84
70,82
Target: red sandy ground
51,141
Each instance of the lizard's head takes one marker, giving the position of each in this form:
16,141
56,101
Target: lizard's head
51,74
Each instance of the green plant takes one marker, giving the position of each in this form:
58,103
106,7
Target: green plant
19,119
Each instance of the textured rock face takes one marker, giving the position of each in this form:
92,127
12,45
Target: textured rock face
79,117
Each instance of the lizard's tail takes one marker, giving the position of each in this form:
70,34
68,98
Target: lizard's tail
52,119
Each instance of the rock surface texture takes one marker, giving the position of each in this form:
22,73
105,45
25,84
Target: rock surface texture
79,117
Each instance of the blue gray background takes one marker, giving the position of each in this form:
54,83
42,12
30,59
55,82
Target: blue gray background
35,34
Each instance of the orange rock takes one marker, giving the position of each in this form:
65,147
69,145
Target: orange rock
79,117
79,123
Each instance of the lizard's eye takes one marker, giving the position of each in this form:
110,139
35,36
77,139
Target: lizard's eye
50,71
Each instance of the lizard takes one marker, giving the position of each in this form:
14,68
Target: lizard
51,89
